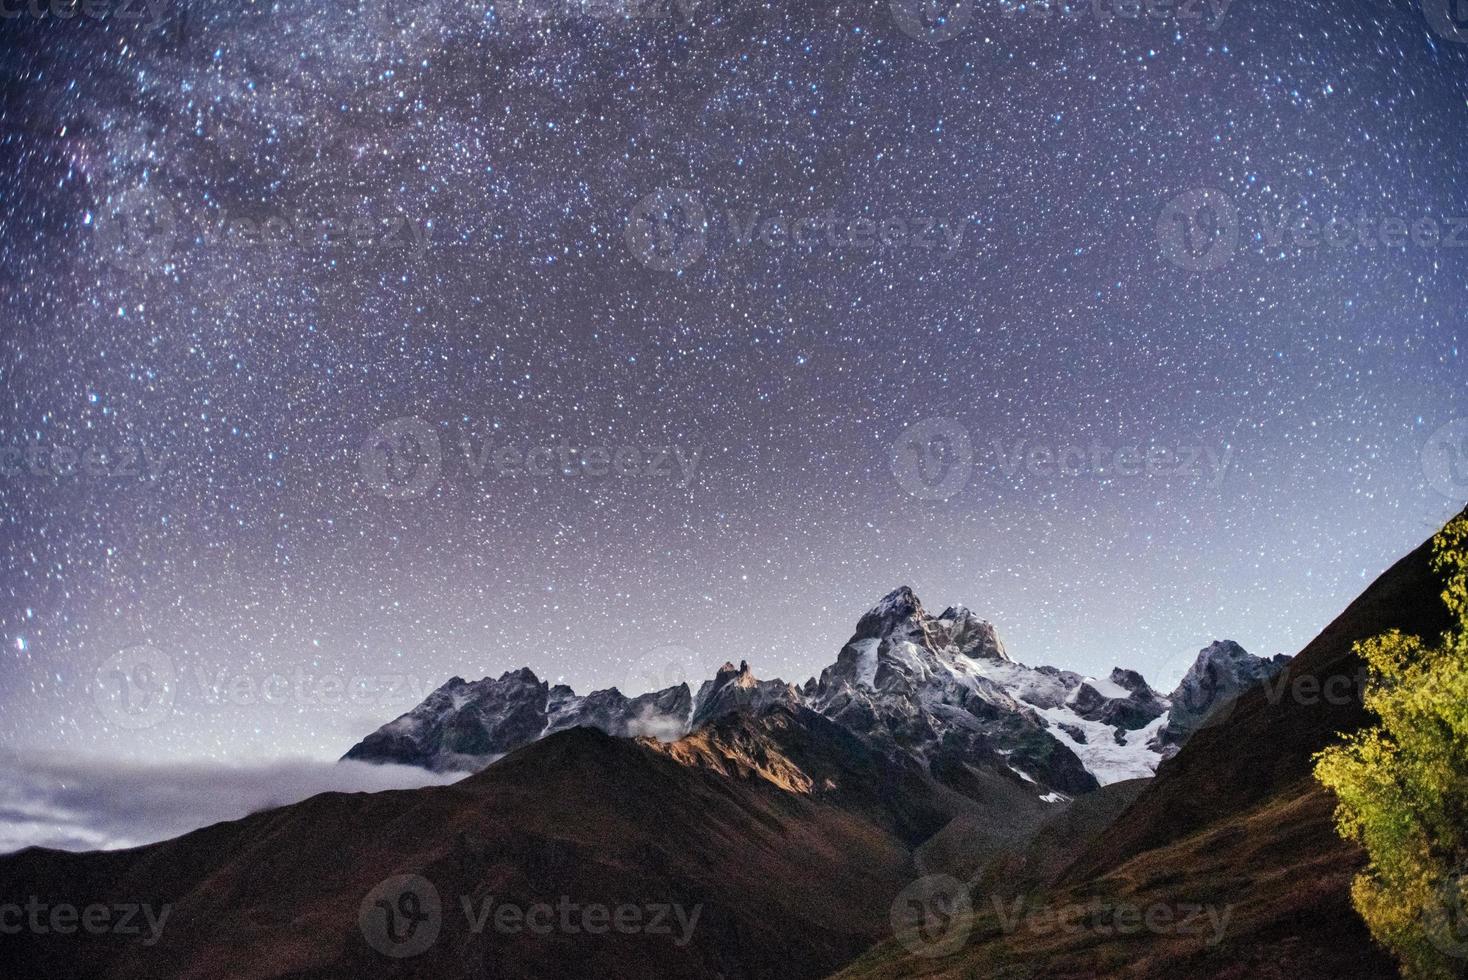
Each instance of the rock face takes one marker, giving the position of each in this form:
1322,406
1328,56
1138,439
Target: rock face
937,690
1124,700
735,689
1222,671
904,681
468,725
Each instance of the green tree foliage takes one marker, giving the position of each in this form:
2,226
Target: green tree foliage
1402,785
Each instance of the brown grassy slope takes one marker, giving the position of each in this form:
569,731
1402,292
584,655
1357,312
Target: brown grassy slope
1281,883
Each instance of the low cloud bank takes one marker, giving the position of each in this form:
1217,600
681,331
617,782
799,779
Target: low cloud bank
86,804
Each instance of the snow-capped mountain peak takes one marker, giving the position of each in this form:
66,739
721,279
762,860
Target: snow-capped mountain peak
897,614
939,689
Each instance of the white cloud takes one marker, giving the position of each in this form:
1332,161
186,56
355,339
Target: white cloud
77,804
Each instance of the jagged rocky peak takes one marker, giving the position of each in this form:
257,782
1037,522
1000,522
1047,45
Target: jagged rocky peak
736,689
462,725
970,635
900,617
466,725
1221,672
728,674
899,613
898,647
738,675
1131,681
1221,666
1123,699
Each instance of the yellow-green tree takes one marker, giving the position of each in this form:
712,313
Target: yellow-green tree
1403,785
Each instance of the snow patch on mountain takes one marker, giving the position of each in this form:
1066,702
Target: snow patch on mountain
1106,688
1110,754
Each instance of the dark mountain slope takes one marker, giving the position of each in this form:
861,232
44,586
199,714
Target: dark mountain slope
1265,745
788,834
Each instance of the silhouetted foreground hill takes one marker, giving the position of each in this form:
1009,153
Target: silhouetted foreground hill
758,847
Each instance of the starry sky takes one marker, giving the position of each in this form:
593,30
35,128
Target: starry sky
368,345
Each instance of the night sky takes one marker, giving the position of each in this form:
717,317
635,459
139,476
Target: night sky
387,344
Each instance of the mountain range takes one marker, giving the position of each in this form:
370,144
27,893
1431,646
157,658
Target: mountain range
796,826
939,690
